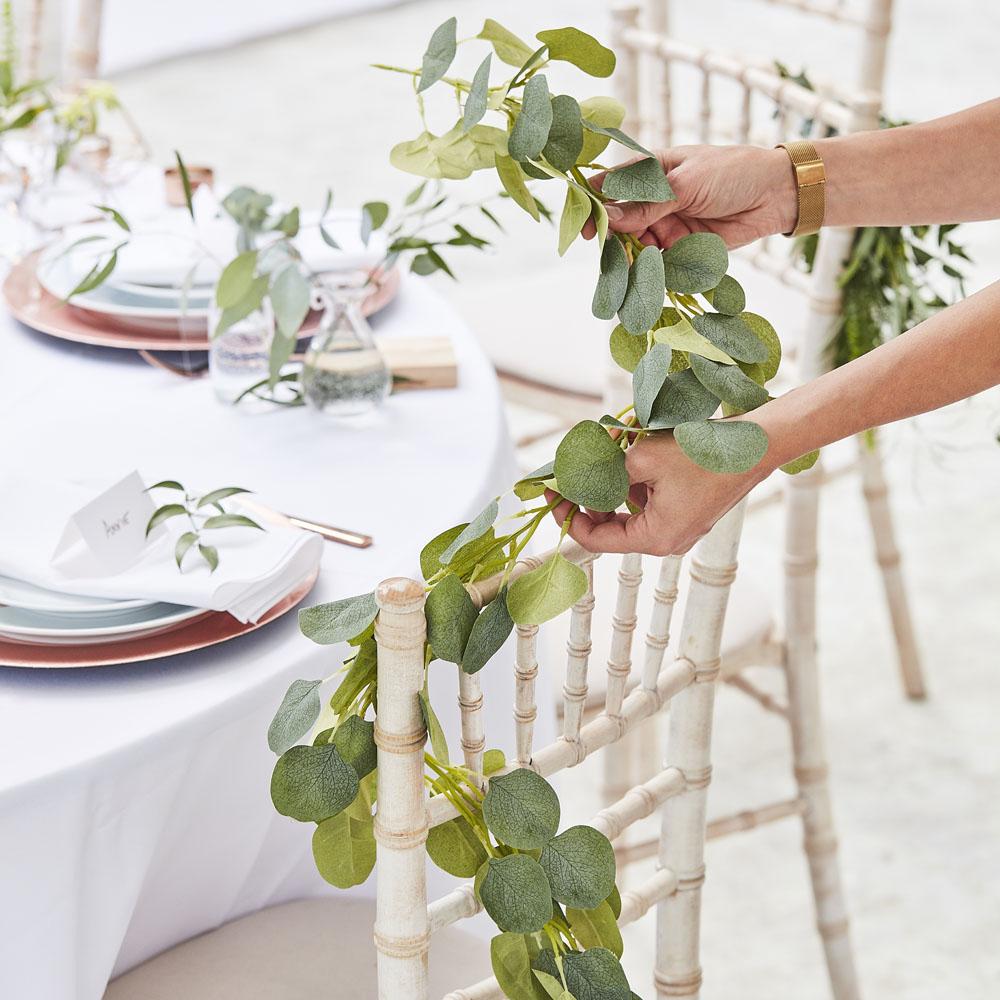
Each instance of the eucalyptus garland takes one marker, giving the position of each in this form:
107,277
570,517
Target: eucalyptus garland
684,334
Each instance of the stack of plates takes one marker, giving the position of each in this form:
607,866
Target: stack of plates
31,614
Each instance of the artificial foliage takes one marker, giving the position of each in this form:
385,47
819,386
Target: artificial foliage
683,332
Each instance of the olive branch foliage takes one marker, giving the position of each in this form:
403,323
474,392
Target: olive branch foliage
686,337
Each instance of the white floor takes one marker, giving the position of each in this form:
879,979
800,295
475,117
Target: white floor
916,785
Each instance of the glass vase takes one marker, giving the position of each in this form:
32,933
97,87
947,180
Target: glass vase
239,357
344,374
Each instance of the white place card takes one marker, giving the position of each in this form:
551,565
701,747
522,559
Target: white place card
112,526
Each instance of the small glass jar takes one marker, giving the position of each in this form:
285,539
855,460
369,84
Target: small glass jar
239,357
344,375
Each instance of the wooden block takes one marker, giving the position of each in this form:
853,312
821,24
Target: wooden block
419,362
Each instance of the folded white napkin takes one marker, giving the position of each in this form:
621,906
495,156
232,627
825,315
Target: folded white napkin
256,568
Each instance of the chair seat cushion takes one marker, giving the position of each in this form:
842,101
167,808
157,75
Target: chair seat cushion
304,950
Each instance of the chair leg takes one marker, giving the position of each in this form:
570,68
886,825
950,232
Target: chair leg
887,553
807,736
682,840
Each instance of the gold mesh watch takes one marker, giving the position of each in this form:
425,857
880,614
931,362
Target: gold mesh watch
810,181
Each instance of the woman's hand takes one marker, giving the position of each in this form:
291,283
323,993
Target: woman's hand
739,192
679,502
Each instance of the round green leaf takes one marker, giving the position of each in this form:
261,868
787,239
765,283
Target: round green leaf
695,263
590,468
533,485
521,809
648,378
580,866
355,741
493,761
577,47
596,974
643,180
450,617
722,445
729,383
576,211
477,527
604,112
682,336
489,633
531,127
800,464
236,280
508,47
596,928
296,714
643,300
512,178
511,956
546,592
454,848
762,329
728,296
312,783
732,335
682,399
430,554
613,280
515,893
565,139
626,350
344,845
338,621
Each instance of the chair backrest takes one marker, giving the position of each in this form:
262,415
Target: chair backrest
83,52
405,921
763,108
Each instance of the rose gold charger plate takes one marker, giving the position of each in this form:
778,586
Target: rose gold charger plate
208,629
33,306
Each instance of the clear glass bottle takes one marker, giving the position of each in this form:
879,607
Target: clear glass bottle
344,374
239,357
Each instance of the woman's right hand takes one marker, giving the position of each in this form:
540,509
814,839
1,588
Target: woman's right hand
739,192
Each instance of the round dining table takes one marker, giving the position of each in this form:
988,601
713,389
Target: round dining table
134,802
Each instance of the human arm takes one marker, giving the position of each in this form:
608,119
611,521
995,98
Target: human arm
950,356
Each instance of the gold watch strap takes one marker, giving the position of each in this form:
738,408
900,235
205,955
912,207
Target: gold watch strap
810,180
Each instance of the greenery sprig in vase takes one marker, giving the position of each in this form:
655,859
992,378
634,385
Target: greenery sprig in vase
691,346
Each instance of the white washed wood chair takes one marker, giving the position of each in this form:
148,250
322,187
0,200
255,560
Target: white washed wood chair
765,109
50,47
284,953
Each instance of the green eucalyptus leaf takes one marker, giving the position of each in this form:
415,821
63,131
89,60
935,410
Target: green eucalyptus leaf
296,715
355,740
604,112
533,485
236,280
435,732
290,300
590,468
614,133
515,893
614,900
373,216
763,330
728,296
596,928
577,47
455,848
732,446
250,302
430,555
548,591
312,783
729,383
450,617
565,141
576,211
695,263
493,761
732,335
682,399
489,632
613,281
648,378
643,180
580,867
478,526
521,809
596,974
475,103
627,350
439,55
643,300
288,224
531,127
508,47
552,985
800,464
512,177
338,621
343,846
511,956
682,336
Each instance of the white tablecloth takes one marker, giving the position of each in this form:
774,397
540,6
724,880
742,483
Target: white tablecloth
134,806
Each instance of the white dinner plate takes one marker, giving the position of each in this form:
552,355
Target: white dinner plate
35,627
27,597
